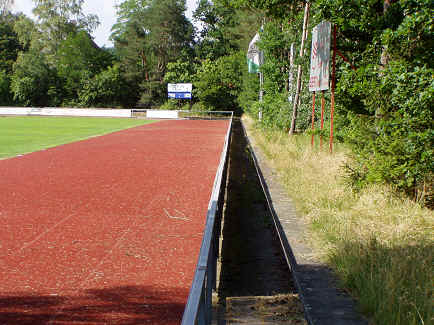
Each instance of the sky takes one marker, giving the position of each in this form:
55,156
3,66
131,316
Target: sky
105,11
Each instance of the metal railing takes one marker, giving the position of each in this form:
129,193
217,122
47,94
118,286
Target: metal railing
199,304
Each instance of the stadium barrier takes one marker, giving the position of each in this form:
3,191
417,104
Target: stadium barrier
54,111
157,113
198,309
180,114
126,113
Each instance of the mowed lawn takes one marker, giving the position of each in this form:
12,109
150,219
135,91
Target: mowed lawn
24,134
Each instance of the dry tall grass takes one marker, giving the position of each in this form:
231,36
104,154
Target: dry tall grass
379,243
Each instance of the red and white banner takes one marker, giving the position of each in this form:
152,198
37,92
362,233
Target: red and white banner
320,57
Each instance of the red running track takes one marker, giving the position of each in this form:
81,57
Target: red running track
107,230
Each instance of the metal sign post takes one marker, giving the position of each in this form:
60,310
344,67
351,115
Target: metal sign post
261,93
313,117
332,110
322,116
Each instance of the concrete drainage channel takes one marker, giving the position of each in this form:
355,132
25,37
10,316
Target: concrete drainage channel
254,281
323,302
266,274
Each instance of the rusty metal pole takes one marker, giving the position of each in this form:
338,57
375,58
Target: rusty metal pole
261,93
313,118
322,115
333,89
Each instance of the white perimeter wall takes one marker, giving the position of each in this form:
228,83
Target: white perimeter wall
65,112
156,113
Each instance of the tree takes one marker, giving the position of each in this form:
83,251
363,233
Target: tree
5,92
9,48
5,6
107,89
224,30
27,33
79,58
273,8
299,68
180,71
59,18
218,83
33,82
9,42
149,35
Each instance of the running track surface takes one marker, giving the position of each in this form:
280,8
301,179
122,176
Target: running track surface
107,230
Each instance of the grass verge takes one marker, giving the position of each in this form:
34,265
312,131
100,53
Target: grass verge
24,134
379,244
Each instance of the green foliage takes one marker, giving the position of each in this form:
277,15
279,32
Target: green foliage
218,83
395,293
274,8
397,148
147,42
9,49
223,30
9,43
107,89
33,79
276,39
59,18
179,72
171,104
79,59
198,107
5,94
384,108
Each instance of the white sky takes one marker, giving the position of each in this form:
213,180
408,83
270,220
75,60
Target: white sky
105,11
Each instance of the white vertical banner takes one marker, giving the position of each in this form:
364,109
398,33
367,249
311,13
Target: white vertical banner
255,57
320,57
291,73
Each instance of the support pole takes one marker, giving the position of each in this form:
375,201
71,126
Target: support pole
333,89
313,118
261,93
299,70
322,115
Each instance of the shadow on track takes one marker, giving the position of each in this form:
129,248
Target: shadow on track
128,305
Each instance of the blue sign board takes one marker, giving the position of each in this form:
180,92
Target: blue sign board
179,91
180,95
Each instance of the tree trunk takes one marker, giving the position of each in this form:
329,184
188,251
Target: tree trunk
300,71
384,60
5,6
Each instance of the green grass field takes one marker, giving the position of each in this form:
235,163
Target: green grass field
24,134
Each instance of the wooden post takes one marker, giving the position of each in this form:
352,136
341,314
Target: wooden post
333,88
322,115
313,118
261,93
300,71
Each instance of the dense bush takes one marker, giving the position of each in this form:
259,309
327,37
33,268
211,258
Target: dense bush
218,83
384,109
108,89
